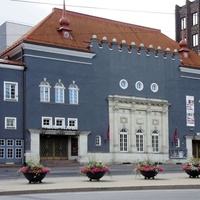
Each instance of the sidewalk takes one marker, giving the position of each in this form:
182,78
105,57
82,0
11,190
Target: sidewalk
20,185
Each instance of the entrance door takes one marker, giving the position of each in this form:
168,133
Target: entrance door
53,147
74,146
196,148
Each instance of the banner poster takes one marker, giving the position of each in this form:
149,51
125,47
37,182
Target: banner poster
190,121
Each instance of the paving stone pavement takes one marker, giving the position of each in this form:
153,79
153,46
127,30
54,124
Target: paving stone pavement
81,183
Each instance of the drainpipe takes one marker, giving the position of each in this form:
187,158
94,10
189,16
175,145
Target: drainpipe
24,108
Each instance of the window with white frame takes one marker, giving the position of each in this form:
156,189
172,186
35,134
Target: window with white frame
195,18
2,153
177,143
60,122
73,93
123,137
46,122
10,91
18,153
10,153
72,124
195,40
2,150
140,140
44,91
59,92
183,23
155,141
98,140
10,123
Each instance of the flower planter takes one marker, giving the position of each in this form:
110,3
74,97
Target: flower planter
149,174
34,177
193,173
96,176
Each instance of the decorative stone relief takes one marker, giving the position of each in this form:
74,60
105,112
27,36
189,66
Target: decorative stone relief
124,120
140,121
155,122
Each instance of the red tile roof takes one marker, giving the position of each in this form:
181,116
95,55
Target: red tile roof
85,26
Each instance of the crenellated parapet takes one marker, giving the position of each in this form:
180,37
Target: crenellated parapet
132,48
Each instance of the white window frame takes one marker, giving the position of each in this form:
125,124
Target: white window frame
139,138
2,142
75,122
13,125
155,141
73,93
18,155
12,153
98,140
45,125
183,23
154,87
44,91
195,40
139,85
3,153
194,18
10,95
123,84
123,137
59,92
177,144
60,119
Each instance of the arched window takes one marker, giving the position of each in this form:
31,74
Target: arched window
73,93
44,91
155,141
140,140
59,92
98,140
123,140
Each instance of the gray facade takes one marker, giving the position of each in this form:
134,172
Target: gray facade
187,19
10,32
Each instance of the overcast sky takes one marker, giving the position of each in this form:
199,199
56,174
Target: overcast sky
159,14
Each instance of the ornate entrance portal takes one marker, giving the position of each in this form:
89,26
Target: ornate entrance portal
53,147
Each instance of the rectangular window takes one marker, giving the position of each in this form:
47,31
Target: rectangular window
2,153
10,123
155,143
72,124
46,122
183,23
10,153
194,18
140,142
10,91
123,142
18,142
98,140
18,153
59,95
195,40
60,122
73,97
45,94
2,142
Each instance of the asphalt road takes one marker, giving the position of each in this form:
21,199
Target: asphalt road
114,195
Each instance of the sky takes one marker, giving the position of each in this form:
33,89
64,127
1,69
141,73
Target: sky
158,14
